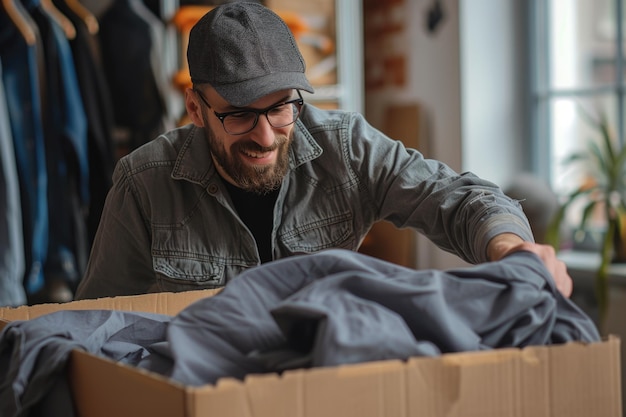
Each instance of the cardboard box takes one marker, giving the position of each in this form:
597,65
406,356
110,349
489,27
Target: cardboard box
575,379
164,303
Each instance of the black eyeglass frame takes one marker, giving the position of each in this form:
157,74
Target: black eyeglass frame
221,116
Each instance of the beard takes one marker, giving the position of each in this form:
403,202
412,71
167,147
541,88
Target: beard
257,179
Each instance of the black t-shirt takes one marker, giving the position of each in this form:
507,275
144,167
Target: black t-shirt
257,212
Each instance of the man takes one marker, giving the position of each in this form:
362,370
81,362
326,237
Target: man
260,175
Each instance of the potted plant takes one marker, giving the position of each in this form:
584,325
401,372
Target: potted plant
603,192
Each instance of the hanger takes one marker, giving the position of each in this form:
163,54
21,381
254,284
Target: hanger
60,18
81,11
22,21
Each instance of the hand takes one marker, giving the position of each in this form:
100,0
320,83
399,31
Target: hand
499,248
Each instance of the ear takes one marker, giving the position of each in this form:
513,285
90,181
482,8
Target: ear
194,109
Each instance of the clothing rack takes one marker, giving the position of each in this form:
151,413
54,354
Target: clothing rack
73,101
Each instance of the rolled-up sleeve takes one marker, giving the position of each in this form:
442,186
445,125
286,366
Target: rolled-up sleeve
459,212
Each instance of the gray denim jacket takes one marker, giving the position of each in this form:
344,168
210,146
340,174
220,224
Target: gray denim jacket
169,224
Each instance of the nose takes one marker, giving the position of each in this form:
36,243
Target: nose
263,132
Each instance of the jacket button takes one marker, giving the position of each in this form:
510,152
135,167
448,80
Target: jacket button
213,188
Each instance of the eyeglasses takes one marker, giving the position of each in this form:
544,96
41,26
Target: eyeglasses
240,122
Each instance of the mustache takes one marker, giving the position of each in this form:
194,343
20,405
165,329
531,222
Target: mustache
252,146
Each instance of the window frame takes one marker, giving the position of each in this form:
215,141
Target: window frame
543,94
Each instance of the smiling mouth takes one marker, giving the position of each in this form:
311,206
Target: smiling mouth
256,155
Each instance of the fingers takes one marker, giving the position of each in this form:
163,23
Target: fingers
554,265
562,278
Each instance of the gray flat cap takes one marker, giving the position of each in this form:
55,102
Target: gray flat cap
245,51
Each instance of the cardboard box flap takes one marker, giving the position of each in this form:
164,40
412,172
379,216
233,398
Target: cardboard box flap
535,381
373,389
486,382
102,388
582,375
229,398
163,303
262,395
543,381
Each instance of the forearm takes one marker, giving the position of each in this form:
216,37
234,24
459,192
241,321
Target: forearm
460,213
501,245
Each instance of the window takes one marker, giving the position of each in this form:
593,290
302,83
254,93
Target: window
578,63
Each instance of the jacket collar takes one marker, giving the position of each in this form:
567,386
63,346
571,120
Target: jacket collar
194,161
303,147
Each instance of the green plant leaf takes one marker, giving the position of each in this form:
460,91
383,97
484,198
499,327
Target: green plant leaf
605,163
587,212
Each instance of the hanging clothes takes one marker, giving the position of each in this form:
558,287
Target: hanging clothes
22,65
11,235
159,62
71,85
95,93
128,48
65,136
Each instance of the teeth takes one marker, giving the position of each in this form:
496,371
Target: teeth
254,155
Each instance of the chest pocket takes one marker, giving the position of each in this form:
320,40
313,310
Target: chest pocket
184,274
332,232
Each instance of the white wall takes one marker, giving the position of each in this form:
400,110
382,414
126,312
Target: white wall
493,101
433,81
